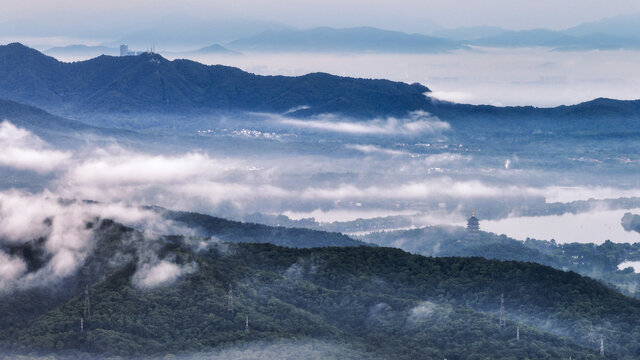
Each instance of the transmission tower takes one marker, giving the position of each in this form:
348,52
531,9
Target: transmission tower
246,323
602,347
87,304
230,300
81,324
503,322
518,333
591,336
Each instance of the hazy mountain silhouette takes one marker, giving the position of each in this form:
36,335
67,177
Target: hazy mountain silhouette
325,39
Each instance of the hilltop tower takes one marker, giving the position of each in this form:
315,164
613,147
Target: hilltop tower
473,227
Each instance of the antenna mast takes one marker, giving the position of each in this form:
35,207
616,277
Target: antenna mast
518,333
246,323
503,322
602,347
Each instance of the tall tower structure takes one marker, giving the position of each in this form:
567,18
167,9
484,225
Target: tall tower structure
87,303
473,227
602,347
246,323
591,336
503,321
518,333
230,300
124,50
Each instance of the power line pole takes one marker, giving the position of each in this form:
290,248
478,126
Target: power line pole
591,336
503,322
87,303
230,300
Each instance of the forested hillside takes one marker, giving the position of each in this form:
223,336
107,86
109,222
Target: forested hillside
596,261
149,83
379,302
235,231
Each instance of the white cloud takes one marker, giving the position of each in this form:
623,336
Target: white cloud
429,188
373,149
161,273
445,158
25,151
426,311
11,269
574,193
25,217
418,122
117,167
453,96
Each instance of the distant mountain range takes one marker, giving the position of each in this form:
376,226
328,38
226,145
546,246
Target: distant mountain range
359,39
178,32
556,40
367,39
625,26
215,49
620,32
149,83
58,130
82,50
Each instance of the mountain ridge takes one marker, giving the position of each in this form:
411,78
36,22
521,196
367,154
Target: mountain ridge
426,307
326,39
149,83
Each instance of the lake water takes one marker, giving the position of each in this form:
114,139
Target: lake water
593,227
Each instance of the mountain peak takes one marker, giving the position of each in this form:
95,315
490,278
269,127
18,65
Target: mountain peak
150,83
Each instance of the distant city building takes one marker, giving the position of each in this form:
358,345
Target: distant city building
124,51
473,227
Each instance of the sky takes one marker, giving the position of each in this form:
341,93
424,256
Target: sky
406,15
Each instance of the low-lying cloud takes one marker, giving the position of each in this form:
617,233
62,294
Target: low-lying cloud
445,158
373,149
121,180
25,151
59,228
427,311
161,273
418,122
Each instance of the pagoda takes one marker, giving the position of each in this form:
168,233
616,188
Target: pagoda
473,227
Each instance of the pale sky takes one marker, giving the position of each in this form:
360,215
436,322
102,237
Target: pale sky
396,14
